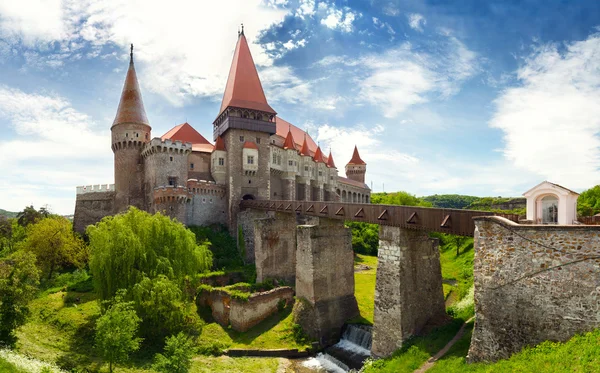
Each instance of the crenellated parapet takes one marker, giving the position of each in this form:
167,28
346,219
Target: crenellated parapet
97,188
157,145
205,188
171,194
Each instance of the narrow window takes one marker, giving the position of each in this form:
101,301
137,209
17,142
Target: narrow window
290,163
221,161
191,166
305,168
278,159
126,135
274,158
320,173
172,181
171,158
258,140
241,138
137,135
250,159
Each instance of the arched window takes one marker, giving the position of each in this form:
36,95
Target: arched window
549,207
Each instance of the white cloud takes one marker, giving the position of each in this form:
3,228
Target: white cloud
306,8
340,19
281,84
551,120
168,37
416,21
54,148
402,77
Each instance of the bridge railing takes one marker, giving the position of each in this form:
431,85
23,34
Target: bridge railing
453,221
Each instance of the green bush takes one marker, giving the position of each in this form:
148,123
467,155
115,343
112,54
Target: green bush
221,244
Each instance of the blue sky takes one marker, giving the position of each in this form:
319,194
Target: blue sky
473,97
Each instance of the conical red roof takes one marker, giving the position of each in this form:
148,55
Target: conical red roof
220,144
356,157
185,133
244,89
330,160
131,106
289,141
305,150
319,155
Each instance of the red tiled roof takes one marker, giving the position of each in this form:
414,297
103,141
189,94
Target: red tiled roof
305,150
250,145
185,133
318,157
131,106
220,144
203,148
283,127
289,141
243,88
330,162
356,157
345,180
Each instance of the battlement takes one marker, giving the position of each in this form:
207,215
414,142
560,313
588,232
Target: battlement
98,188
205,187
157,145
170,193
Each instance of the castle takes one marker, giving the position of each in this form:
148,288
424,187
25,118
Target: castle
256,155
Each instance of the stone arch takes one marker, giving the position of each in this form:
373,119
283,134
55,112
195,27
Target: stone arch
546,207
344,196
246,197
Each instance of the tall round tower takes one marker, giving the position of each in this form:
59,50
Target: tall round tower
130,131
356,168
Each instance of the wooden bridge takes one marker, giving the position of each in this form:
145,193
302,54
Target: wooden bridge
453,221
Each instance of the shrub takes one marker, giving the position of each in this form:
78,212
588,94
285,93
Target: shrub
177,356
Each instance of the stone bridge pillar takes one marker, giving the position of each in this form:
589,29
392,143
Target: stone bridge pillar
408,289
324,279
275,248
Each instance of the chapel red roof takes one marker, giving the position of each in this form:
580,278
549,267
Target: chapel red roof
220,144
330,162
243,88
318,157
185,133
131,106
250,145
283,127
289,141
356,158
305,151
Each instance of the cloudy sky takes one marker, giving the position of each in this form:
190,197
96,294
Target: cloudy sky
472,97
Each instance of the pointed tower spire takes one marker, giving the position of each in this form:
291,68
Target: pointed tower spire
243,89
289,141
356,158
330,162
318,155
305,151
131,107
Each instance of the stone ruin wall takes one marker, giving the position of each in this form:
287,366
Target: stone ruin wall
532,283
243,315
91,207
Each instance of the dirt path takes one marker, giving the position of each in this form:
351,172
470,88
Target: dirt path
429,363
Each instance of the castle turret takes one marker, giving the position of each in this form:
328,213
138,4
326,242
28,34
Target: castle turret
332,177
245,116
290,167
356,168
130,131
218,159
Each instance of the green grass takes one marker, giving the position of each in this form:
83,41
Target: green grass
416,351
6,367
457,271
364,283
207,364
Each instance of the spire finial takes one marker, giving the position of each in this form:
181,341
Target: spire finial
242,33
131,53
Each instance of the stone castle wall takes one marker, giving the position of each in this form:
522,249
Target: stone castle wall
532,283
91,207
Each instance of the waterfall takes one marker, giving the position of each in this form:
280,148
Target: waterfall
349,353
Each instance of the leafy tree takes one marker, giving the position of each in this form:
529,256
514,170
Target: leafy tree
588,203
365,237
224,247
128,247
55,245
177,357
116,330
29,215
450,201
19,278
398,198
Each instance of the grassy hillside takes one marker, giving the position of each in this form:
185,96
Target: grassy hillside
8,214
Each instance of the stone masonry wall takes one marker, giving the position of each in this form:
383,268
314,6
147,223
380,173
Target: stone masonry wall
325,279
408,289
275,248
207,209
532,283
245,221
90,208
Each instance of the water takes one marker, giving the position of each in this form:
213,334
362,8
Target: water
349,353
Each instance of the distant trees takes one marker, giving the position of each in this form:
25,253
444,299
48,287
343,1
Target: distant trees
398,198
588,203
30,215
450,201
116,330
19,278
55,245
